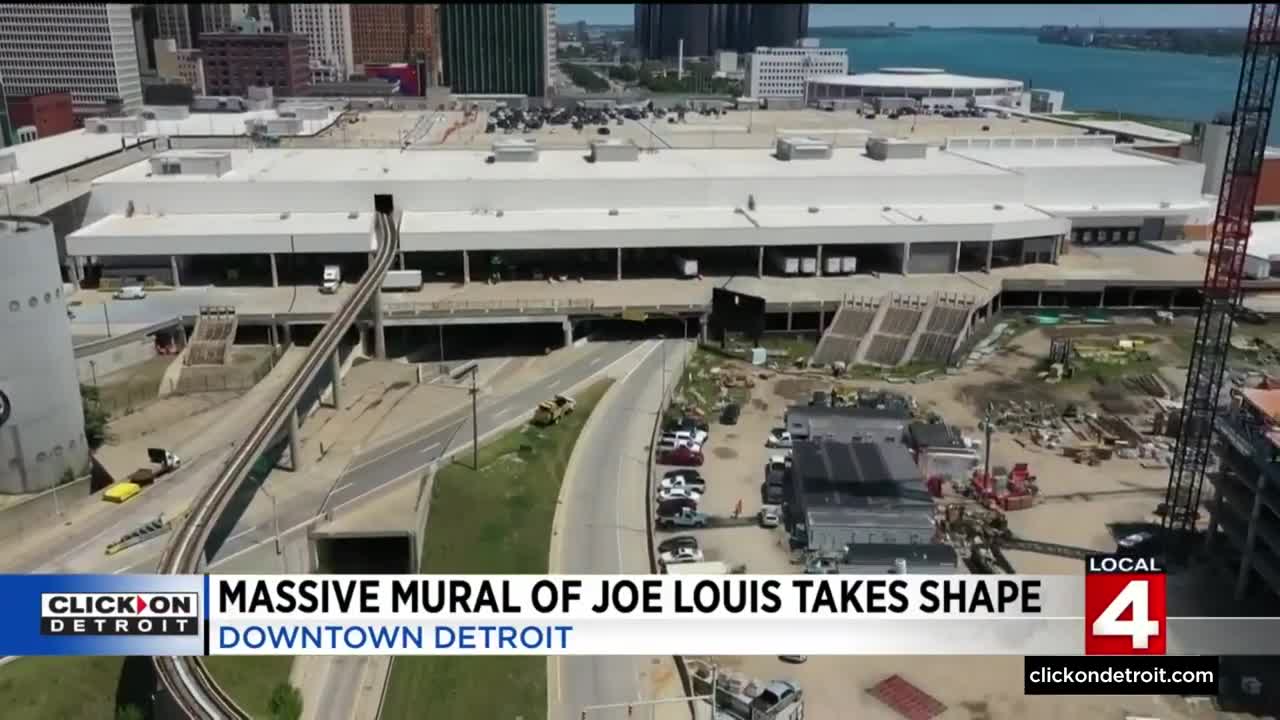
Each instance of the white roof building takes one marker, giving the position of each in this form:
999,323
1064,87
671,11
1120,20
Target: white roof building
928,85
320,200
782,72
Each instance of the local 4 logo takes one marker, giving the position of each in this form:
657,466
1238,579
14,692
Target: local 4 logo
1124,606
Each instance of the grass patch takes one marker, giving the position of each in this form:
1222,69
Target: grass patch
60,688
496,520
250,679
126,390
700,388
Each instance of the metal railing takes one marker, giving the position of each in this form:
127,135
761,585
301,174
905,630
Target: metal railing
187,679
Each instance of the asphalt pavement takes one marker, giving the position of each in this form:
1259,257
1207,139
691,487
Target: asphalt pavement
602,530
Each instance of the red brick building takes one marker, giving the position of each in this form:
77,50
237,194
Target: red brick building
50,114
235,62
396,33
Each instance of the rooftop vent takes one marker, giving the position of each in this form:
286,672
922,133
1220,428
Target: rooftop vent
515,150
614,151
802,148
882,149
613,212
284,215
813,209
353,215
205,162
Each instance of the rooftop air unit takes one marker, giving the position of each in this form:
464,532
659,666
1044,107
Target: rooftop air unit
881,148
200,162
803,148
515,150
614,151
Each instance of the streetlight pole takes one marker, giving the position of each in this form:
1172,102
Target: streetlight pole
93,370
986,422
475,423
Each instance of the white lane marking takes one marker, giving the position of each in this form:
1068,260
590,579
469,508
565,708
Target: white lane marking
553,384
342,487
504,411
595,361
429,448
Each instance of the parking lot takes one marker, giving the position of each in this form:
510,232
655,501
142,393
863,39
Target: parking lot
973,688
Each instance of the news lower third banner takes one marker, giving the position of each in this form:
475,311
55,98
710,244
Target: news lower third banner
607,615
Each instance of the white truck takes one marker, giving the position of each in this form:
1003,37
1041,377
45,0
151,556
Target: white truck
331,280
809,265
831,265
849,264
402,280
685,267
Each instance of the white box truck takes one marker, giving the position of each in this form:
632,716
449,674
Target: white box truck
809,265
849,264
831,265
785,264
685,267
331,280
402,280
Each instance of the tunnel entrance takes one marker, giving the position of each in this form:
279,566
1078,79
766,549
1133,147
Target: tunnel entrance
386,554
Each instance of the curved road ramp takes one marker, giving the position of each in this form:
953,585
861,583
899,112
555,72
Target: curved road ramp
190,688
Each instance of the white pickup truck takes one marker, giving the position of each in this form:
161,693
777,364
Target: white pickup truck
331,280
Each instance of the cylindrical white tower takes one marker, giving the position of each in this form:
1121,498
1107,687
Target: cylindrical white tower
41,420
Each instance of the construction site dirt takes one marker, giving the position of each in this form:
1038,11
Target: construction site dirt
1083,503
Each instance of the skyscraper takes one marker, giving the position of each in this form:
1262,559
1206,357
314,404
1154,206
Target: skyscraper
85,49
660,27
174,23
393,33
6,129
328,30
496,48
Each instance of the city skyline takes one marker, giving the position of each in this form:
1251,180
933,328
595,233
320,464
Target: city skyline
981,15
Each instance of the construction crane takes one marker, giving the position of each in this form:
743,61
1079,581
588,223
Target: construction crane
1221,292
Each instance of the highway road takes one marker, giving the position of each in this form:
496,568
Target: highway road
82,543
602,529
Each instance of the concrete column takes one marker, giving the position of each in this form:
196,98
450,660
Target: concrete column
1246,552
379,332
173,267
567,326
335,368
788,318
704,331
466,267
401,259
1057,248
906,258
295,441
991,247
1173,298
288,333
275,271
760,263
619,263
1039,298
955,267
822,315
820,273
182,335
1102,298
272,336
73,267
1133,295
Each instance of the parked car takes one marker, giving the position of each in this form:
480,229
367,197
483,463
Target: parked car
778,438
685,518
729,416
777,464
679,492
689,437
770,516
1136,542
682,455
671,442
675,506
687,422
772,493
130,292
820,399
689,480
681,555
679,541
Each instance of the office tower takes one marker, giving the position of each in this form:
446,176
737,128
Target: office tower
328,30
493,48
86,49
174,23
393,33
659,27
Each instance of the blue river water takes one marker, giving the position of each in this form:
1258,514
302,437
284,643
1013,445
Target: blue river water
1173,85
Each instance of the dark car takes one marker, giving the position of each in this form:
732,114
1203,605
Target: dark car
679,541
729,416
680,455
820,399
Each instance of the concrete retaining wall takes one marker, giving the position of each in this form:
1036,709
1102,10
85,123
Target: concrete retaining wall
117,358
41,510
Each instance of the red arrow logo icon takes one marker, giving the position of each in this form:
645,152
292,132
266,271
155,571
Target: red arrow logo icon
142,604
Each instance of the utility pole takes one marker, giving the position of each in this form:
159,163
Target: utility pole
107,318
986,423
93,370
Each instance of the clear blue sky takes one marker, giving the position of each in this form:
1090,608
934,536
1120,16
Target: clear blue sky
971,15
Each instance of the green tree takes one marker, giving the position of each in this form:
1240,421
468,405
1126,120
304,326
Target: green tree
285,703
95,416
